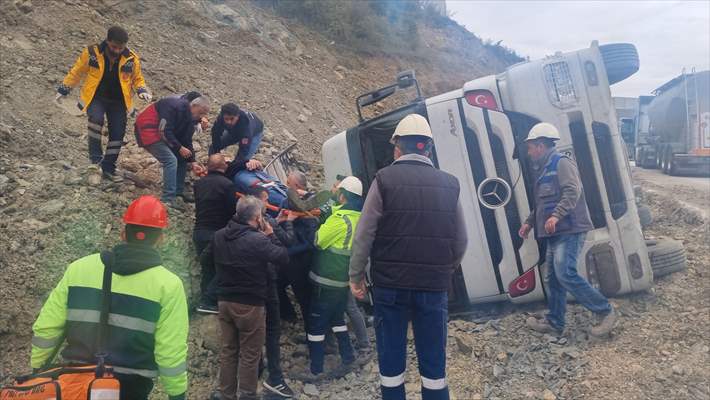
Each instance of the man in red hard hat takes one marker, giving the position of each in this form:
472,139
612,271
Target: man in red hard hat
147,323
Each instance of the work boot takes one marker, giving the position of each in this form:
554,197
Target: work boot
278,387
606,324
342,370
295,202
364,356
541,325
176,204
309,377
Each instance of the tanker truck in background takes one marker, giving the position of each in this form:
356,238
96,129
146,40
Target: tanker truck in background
627,113
678,140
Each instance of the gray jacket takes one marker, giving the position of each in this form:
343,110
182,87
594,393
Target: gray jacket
557,193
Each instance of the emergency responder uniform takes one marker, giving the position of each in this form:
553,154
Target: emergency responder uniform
329,276
107,90
147,324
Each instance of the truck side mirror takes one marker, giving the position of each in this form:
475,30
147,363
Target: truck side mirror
405,79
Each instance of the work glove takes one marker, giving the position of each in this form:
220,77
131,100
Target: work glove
145,96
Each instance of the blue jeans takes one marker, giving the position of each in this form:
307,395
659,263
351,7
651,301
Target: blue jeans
254,145
327,310
358,322
115,113
174,170
428,312
562,253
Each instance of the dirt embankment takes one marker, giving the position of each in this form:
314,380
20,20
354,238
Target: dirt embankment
54,209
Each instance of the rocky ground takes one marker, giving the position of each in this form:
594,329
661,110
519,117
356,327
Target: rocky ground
55,208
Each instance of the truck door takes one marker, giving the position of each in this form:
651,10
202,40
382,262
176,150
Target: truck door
474,144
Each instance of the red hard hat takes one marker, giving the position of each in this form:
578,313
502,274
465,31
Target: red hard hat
147,211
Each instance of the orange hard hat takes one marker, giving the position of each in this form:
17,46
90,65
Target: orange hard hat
147,211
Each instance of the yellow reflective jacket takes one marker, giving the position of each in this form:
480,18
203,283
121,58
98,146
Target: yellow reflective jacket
147,324
90,68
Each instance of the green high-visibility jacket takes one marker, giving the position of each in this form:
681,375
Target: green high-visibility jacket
334,241
148,321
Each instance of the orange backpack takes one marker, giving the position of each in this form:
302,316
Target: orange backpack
65,383
82,382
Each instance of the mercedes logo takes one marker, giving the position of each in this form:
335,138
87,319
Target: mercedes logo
494,193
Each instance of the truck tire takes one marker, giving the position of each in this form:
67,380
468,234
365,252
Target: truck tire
666,256
645,216
621,60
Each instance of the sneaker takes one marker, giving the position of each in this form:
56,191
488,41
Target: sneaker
176,205
606,324
112,177
278,387
244,395
309,377
187,197
342,370
541,325
207,309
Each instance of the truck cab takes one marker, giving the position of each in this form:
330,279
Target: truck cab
478,135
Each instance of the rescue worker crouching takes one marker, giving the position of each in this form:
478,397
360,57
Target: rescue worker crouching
329,276
148,322
165,130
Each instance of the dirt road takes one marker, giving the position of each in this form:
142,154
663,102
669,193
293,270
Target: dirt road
693,191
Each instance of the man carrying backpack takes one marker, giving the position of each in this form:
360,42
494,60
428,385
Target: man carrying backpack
147,322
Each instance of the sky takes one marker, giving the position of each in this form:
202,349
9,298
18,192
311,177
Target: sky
669,35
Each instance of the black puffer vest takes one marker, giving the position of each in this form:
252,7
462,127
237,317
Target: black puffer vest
413,247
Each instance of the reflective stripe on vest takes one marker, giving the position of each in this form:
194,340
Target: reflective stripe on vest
325,281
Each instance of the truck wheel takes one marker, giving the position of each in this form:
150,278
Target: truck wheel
621,60
666,256
666,163
672,166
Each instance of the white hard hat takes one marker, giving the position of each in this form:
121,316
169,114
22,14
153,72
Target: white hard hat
411,125
352,185
543,130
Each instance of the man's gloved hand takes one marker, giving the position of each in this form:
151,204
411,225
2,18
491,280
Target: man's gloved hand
145,96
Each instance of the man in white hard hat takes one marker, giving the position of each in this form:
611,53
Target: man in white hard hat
412,229
560,218
329,275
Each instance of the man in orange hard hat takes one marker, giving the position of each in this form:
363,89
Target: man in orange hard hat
147,321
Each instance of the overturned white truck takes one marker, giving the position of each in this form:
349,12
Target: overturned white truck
478,132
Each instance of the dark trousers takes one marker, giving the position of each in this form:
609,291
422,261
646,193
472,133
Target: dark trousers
296,275
327,311
273,332
115,113
208,280
428,312
242,327
134,387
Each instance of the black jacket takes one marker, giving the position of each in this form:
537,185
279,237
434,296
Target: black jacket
241,134
414,247
178,125
241,254
284,232
215,201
